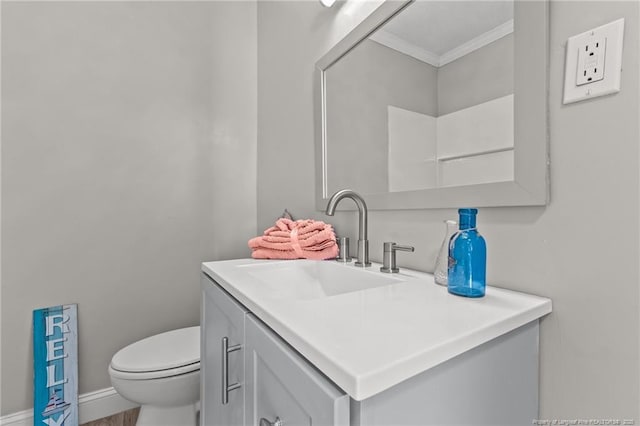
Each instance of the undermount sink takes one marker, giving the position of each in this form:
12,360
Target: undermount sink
314,279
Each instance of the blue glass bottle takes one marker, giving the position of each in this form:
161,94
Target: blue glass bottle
467,258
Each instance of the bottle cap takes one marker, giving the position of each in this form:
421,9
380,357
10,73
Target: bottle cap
467,211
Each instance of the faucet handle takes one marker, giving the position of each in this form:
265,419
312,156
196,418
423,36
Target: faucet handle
389,257
343,250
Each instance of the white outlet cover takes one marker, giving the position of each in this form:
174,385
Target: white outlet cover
610,83
591,61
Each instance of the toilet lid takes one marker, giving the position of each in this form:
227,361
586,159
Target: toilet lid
173,349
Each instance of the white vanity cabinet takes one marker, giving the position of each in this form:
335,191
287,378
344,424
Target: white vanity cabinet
265,379
222,357
406,353
493,384
281,385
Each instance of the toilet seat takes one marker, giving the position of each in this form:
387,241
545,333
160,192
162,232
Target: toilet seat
160,374
167,354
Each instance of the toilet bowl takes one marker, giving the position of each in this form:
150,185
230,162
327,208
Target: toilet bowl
162,374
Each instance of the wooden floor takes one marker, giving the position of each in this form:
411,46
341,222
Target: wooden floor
126,418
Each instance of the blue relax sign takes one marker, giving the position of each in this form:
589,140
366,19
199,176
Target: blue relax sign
55,366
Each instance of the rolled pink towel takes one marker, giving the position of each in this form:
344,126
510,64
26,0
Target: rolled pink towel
300,239
312,235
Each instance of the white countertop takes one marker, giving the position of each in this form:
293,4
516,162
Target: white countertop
370,340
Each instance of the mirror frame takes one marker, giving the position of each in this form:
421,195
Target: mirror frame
530,186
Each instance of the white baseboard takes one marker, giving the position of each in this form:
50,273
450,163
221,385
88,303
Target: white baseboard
91,406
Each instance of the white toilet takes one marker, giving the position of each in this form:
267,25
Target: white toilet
162,374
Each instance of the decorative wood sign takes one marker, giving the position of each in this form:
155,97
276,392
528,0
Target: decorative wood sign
55,366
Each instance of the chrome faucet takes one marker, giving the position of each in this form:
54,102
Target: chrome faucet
363,243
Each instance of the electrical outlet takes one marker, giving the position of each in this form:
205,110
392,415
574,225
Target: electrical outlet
591,61
594,62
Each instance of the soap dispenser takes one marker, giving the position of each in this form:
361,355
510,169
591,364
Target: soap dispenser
441,271
467,258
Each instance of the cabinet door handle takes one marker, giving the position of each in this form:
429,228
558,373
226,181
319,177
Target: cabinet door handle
226,387
276,422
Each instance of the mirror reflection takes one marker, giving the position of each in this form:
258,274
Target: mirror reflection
426,101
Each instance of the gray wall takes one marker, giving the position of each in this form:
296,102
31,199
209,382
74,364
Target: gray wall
359,87
480,76
128,157
582,250
291,37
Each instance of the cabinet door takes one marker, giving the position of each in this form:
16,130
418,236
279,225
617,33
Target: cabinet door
280,384
222,318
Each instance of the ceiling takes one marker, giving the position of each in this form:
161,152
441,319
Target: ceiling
440,31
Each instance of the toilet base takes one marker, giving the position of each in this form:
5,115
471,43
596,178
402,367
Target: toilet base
185,415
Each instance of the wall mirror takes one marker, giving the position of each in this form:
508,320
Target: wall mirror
437,103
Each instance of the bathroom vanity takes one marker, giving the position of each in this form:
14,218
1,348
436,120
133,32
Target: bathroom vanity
324,343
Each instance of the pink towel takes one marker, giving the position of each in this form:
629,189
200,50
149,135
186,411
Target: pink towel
300,239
